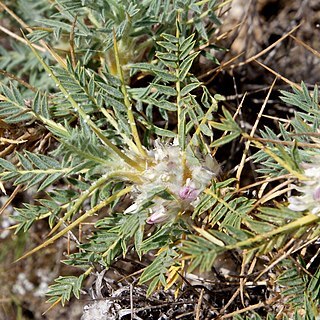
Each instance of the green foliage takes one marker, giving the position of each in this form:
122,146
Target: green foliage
227,124
64,288
299,288
156,272
136,161
34,169
296,146
172,79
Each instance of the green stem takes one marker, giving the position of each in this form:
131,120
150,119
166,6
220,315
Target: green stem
88,214
181,137
108,116
82,113
114,123
127,103
301,222
39,171
181,120
283,163
206,13
88,192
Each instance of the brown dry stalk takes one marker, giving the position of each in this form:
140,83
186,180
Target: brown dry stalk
263,52
254,128
228,65
14,77
13,35
198,306
315,52
252,307
292,84
12,196
71,41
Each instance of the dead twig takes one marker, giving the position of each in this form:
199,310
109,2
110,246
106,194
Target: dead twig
12,196
253,130
198,306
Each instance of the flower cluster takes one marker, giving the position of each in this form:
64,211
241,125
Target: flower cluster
310,191
171,182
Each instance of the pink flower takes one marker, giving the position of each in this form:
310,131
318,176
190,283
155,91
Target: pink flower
180,182
188,193
316,194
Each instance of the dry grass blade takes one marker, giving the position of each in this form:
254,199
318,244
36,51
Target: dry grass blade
273,193
269,196
267,180
290,143
71,41
15,17
253,130
217,70
226,306
243,278
282,255
56,56
292,84
198,306
263,52
252,307
12,141
52,306
209,236
14,36
315,52
10,199
21,81
276,158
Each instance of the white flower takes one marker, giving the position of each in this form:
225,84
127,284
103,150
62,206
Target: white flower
158,214
171,182
310,190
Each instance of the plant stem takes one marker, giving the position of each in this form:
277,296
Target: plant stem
301,222
75,223
178,87
128,104
204,14
82,113
283,163
88,192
